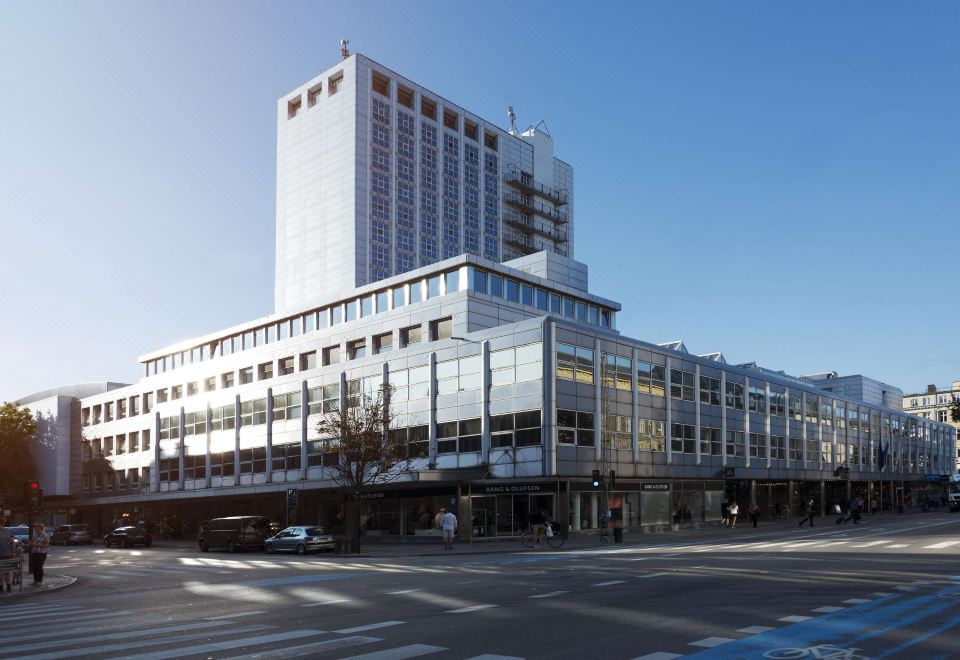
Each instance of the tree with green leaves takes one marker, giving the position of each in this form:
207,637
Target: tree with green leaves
363,454
955,410
18,430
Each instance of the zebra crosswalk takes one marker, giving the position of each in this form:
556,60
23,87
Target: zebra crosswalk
51,631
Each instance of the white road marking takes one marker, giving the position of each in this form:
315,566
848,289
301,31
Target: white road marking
755,630
472,608
881,594
940,546
312,648
828,609
17,617
902,588
403,591
857,601
490,656
399,653
327,602
88,639
221,646
369,626
650,575
711,642
609,583
659,655
549,595
794,618
234,616
870,544
897,545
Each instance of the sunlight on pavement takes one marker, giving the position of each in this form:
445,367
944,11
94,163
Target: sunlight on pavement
237,592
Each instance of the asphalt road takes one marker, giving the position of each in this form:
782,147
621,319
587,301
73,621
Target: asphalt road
889,587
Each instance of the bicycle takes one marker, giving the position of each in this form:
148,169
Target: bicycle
819,652
554,539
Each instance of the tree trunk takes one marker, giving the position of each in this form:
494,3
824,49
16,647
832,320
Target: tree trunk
351,524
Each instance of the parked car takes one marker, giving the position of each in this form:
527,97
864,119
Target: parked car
235,533
300,540
127,537
21,533
72,534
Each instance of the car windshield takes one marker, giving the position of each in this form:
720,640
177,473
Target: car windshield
19,530
80,528
316,531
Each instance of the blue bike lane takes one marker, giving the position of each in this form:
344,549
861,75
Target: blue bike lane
894,625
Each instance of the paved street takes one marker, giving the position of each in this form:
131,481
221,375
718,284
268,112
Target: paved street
889,587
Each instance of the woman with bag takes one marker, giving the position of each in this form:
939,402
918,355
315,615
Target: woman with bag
733,512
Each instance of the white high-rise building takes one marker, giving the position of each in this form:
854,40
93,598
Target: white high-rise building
377,176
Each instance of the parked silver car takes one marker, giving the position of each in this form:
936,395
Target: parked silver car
72,534
300,540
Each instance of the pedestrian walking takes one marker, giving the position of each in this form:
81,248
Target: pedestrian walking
39,544
734,511
754,513
853,512
8,549
449,525
438,519
810,510
778,510
724,513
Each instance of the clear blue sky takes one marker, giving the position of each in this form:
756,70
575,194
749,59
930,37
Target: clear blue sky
778,181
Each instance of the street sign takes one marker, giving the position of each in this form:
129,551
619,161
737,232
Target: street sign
291,498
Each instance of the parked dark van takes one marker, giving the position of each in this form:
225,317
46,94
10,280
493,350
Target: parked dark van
235,533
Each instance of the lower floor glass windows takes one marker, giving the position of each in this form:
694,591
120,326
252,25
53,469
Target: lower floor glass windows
683,438
195,467
221,464
286,456
735,443
253,460
651,435
711,442
169,469
575,428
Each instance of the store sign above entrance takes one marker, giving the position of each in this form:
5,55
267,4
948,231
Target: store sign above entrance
491,489
655,486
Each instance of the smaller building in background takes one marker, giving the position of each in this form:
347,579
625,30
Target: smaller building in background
935,404
858,387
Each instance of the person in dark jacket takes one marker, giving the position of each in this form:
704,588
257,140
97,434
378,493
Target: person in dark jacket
810,511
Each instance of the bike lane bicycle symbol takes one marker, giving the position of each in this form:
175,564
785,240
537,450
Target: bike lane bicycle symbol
819,652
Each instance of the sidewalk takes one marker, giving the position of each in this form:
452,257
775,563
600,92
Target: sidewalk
705,532
50,583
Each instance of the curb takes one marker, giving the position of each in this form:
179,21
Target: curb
66,581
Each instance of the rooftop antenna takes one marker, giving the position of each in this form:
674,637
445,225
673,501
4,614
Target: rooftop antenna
513,119
344,51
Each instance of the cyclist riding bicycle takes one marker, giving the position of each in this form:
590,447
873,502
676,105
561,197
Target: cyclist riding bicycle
538,523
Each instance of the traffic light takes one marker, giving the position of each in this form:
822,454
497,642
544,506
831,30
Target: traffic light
36,495
596,480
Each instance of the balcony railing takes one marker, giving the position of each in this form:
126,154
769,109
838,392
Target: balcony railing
524,203
526,225
526,184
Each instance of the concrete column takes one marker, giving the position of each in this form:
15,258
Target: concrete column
668,382
803,427
766,423
236,440
182,451
206,464
155,471
593,520
823,497
269,450
820,433
548,423
598,401
786,427
304,428
433,408
575,512
723,416
696,384
746,421
634,410
485,394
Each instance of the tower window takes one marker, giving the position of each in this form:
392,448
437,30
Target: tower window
428,108
313,94
333,84
470,129
450,119
293,107
381,84
405,96
490,140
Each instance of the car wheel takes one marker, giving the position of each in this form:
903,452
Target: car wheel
231,548
269,548
126,543
147,543
106,543
204,547
301,550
